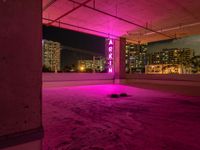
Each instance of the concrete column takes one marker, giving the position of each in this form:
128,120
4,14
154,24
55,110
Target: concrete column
20,71
120,51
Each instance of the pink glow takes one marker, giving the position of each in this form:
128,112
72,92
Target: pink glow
82,117
110,62
110,70
110,55
110,42
110,49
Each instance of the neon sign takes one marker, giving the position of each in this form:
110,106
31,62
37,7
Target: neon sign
110,55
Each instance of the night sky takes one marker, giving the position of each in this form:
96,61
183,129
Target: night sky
74,39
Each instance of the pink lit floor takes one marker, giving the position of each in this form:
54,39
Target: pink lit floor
86,118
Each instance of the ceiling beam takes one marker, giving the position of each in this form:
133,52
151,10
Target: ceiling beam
48,5
124,20
72,10
103,34
176,28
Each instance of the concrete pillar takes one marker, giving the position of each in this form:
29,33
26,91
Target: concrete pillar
120,65
21,71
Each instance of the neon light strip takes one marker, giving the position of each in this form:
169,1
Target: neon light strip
110,55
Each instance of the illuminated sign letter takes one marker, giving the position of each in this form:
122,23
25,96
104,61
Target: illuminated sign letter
110,49
110,42
110,55
110,70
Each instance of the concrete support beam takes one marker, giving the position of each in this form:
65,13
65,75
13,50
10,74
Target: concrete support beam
119,64
21,71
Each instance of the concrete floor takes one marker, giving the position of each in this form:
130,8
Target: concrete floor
86,118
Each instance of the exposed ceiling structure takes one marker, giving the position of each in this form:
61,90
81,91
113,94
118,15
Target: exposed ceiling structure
137,20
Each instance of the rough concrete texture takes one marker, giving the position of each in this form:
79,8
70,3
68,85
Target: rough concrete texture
34,145
86,118
20,63
177,87
159,15
119,58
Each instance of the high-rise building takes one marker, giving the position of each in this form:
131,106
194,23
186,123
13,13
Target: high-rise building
51,55
171,56
163,69
174,60
97,64
136,57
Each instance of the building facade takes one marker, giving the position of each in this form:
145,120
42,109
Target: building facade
168,61
51,55
97,64
136,57
165,61
171,56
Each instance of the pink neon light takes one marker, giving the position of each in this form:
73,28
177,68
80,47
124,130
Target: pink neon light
110,70
110,49
110,42
110,63
110,55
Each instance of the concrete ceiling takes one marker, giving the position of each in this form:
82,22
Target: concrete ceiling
137,20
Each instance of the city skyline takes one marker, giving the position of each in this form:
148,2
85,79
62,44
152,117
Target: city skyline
72,43
83,61
165,61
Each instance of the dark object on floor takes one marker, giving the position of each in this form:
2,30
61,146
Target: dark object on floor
114,96
123,95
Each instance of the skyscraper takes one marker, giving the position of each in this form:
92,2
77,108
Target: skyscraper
51,55
136,57
97,64
171,56
173,60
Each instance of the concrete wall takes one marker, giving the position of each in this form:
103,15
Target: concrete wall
50,77
119,58
20,64
178,84
186,88
166,77
34,145
71,79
